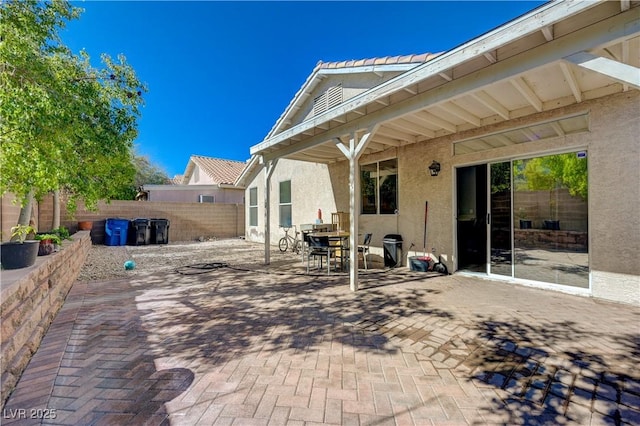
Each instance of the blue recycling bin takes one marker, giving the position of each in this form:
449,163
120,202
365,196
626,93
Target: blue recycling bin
115,232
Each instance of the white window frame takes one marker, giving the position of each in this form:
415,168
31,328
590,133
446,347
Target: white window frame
253,206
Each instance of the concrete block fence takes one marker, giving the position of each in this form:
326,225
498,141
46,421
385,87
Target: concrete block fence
30,299
187,221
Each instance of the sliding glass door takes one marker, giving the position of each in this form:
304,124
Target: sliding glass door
551,226
501,261
536,219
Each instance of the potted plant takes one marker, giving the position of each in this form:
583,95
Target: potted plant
48,243
62,232
85,225
524,222
19,252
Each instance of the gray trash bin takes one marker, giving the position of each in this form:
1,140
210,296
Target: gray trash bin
392,244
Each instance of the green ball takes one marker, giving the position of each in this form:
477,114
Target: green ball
129,265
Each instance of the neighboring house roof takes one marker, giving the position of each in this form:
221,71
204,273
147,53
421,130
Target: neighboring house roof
176,180
322,69
221,171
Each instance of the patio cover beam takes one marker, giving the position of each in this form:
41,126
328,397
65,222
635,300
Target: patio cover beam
621,72
353,154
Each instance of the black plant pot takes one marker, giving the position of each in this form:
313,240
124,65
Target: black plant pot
553,225
525,224
15,255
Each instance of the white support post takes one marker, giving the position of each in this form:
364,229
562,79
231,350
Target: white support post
269,167
353,153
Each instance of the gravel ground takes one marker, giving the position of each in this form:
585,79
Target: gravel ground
107,262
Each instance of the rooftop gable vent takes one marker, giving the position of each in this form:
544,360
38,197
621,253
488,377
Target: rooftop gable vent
328,99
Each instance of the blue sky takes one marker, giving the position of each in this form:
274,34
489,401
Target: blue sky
221,73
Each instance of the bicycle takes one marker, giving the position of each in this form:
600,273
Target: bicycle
288,241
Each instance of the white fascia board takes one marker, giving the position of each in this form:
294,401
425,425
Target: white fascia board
251,164
300,96
315,77
543,16
178,187
611,30
230,186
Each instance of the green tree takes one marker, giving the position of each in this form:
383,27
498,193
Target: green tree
64,123
146,172
555,171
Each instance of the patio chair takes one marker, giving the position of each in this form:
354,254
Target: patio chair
364,248
319,247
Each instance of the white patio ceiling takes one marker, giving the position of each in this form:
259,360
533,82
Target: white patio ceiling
560,54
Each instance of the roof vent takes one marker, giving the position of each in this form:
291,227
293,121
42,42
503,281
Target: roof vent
330,98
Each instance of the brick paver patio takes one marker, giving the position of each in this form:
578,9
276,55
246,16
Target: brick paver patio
232,346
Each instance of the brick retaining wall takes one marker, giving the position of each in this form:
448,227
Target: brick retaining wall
31,298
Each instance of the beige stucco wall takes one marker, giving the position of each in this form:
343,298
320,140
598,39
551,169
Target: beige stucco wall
200,177
311,189
614,192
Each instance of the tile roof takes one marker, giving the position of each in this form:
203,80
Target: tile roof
406,60
220,170
385,60
176,180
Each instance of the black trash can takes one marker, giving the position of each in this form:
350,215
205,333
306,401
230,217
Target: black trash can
392,244
139,232
159,231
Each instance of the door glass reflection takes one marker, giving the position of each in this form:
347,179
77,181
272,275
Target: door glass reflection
551,219
500,220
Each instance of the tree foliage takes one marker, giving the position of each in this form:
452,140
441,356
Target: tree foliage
554,171
146,173
64,123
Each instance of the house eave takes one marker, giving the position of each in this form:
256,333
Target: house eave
542,17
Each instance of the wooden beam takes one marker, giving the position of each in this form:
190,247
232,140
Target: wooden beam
403,124
461,113
571,81
446,75
625,59
527,93
623,73
491,57
557,128
395,134
625,5
384,142
529,134
485,99
435,121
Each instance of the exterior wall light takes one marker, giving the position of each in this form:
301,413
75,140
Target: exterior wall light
434,168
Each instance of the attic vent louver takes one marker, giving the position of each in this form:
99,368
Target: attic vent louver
327,100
